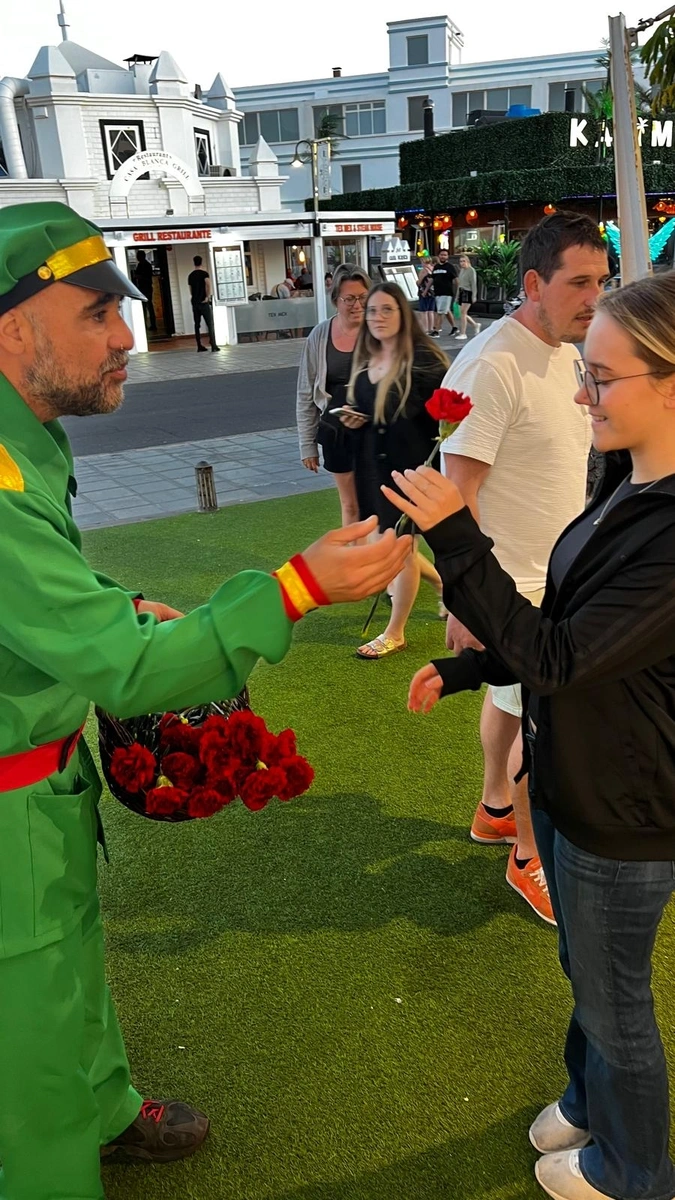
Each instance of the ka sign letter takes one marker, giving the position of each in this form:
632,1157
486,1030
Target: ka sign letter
662,133
577,135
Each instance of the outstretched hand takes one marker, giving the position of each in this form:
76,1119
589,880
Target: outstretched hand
430,496
425,689
346,572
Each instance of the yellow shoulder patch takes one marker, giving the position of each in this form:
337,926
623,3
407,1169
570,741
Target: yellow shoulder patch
11,479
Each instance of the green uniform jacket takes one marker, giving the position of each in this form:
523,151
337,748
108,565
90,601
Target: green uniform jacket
70,636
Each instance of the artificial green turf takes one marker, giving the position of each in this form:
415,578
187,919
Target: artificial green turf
345,983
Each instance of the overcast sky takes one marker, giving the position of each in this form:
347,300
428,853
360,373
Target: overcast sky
280,40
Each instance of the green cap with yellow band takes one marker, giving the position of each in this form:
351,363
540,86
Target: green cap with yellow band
47,242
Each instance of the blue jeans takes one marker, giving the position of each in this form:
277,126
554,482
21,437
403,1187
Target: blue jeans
608,912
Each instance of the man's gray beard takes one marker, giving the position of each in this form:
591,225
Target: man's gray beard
48,381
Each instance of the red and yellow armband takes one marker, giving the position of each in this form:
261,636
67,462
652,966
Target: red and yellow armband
299,589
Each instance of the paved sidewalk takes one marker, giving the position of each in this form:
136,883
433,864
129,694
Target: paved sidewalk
156,366
137,485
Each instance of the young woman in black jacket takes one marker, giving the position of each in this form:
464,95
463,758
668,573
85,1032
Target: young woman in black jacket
395,370
597,664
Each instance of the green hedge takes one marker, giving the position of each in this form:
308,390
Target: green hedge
528,143
543,185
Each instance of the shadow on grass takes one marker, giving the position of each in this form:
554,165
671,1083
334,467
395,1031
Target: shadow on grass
330,863
478,1165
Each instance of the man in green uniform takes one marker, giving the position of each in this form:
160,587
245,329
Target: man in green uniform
70,636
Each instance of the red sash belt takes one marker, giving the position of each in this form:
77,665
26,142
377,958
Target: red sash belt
23,770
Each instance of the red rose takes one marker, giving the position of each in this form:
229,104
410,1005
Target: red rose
299,775
448,405
182,769
133,767
261,786
204,802
282,746
165,801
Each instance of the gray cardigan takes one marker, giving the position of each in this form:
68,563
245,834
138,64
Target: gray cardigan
312,397
468,281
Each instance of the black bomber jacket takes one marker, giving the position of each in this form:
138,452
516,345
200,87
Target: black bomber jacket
600,657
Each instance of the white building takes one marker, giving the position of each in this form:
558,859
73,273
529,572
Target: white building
378,112
156,164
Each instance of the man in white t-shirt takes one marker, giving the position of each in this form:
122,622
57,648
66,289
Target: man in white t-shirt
520,460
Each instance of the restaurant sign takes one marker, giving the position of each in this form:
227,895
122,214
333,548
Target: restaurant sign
654,133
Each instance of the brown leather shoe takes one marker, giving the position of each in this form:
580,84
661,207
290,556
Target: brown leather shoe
163,1131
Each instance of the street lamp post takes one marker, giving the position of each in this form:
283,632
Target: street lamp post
316,151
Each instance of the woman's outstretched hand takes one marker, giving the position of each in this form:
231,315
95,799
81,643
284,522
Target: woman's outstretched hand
430,496
425,689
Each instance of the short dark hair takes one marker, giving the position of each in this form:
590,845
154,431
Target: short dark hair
544,245
197,260
140,254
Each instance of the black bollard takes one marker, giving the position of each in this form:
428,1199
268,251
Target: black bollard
206,488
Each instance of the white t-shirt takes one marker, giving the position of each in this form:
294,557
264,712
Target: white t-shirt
526,426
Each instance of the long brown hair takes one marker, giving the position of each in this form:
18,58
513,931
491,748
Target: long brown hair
410,339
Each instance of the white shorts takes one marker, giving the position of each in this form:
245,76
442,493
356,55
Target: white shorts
443,304
509,698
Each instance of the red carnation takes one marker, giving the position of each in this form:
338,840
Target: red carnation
299,775
215,753
448,405
216,723
245,736
204,802
225,787
182,769
165,801
261,786
133,767
277,747
177,735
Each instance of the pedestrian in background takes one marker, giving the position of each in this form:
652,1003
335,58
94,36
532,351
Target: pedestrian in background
143,278
396,369
444,275
427,300
199,283
467,291
324,373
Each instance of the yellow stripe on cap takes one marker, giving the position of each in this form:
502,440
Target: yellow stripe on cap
11,479
299,595
87,253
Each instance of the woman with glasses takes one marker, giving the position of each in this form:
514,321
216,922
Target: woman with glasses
598,662
324,373
396,368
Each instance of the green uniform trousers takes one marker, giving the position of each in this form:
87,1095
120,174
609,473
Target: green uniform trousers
64,1076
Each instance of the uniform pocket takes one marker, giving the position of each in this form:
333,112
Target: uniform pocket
62,832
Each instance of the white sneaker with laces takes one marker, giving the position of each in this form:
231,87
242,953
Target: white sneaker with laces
461,337
552,1132
560,1176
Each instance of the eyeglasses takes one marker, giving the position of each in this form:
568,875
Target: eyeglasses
352,301
586,379
386,311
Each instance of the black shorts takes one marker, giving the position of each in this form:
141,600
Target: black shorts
337,444
464,296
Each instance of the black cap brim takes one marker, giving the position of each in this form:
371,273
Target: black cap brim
105,277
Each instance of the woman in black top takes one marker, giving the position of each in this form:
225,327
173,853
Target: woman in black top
395,370
597,664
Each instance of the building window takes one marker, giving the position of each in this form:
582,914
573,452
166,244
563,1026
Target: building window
363,119
418,50
274,124
335,112
416,112
556,94
203,151
120,142
492,100
351,178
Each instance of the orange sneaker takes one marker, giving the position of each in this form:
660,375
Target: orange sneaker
491,830
530,883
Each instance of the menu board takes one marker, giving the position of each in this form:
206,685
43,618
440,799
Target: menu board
230,275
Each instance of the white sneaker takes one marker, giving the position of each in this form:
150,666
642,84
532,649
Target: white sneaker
461,337
560,1176
477,328
552,1131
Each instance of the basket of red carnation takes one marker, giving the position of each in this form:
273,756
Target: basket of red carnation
180,766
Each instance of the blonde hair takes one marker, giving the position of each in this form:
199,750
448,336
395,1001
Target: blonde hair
348,273
410,338
646,311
